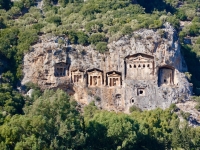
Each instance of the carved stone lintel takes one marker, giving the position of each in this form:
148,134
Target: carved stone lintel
140,86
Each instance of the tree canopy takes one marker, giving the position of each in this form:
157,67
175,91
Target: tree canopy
49,119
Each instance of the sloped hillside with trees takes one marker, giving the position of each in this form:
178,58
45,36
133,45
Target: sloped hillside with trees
50,119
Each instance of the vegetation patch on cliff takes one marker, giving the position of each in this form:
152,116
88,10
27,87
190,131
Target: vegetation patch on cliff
51,120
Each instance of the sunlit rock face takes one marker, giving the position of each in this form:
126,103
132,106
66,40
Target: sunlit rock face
145,69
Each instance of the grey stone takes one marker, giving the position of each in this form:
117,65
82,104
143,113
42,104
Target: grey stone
157,80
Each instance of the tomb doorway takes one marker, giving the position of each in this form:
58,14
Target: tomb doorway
60,69
95,77
166,76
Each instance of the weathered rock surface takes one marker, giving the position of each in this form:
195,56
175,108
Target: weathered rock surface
145,69
189,107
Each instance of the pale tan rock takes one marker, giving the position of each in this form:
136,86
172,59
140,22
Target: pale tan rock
144,69
189,107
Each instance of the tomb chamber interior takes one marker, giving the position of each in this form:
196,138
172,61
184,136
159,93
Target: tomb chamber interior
60,69
166,76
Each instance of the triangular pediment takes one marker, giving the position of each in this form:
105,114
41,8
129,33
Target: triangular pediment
77,71
61,64
114,74
95,72
139,58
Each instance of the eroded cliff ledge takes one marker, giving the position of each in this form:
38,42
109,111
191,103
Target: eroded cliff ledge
145,69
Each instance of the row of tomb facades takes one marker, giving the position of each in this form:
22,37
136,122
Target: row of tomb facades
137,67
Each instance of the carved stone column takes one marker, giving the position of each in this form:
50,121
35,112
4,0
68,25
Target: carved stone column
108,80
101,80
111,81
88,80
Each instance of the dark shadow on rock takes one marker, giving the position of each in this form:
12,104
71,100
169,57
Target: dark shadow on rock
193,63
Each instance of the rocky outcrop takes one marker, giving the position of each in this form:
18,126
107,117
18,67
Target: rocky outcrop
194,115
145,69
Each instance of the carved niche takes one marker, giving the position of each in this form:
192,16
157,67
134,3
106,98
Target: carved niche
95,77
141,89
113,79
166,76
77,76
140,66
141,92
118,101
60,69
132,101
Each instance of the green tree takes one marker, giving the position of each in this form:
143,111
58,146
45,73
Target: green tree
94,26
127,30
181,15
102,47
14,11
198,40
174,21
115,131
28,3
156,24
26,38
82,38
54,19
176,134
97,37
11,102
50,123
2,24
5,4
194,29
8,41
72,35
63,3
19,4
8,77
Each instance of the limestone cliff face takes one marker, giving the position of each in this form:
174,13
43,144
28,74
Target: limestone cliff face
145,69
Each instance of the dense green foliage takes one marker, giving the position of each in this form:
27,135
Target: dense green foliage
153,130
11,102
50,120
5,4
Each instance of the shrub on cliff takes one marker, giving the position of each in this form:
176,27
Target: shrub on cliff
82,38
194,29
102,47
198,40
134,108
97,37
54,19
127,30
